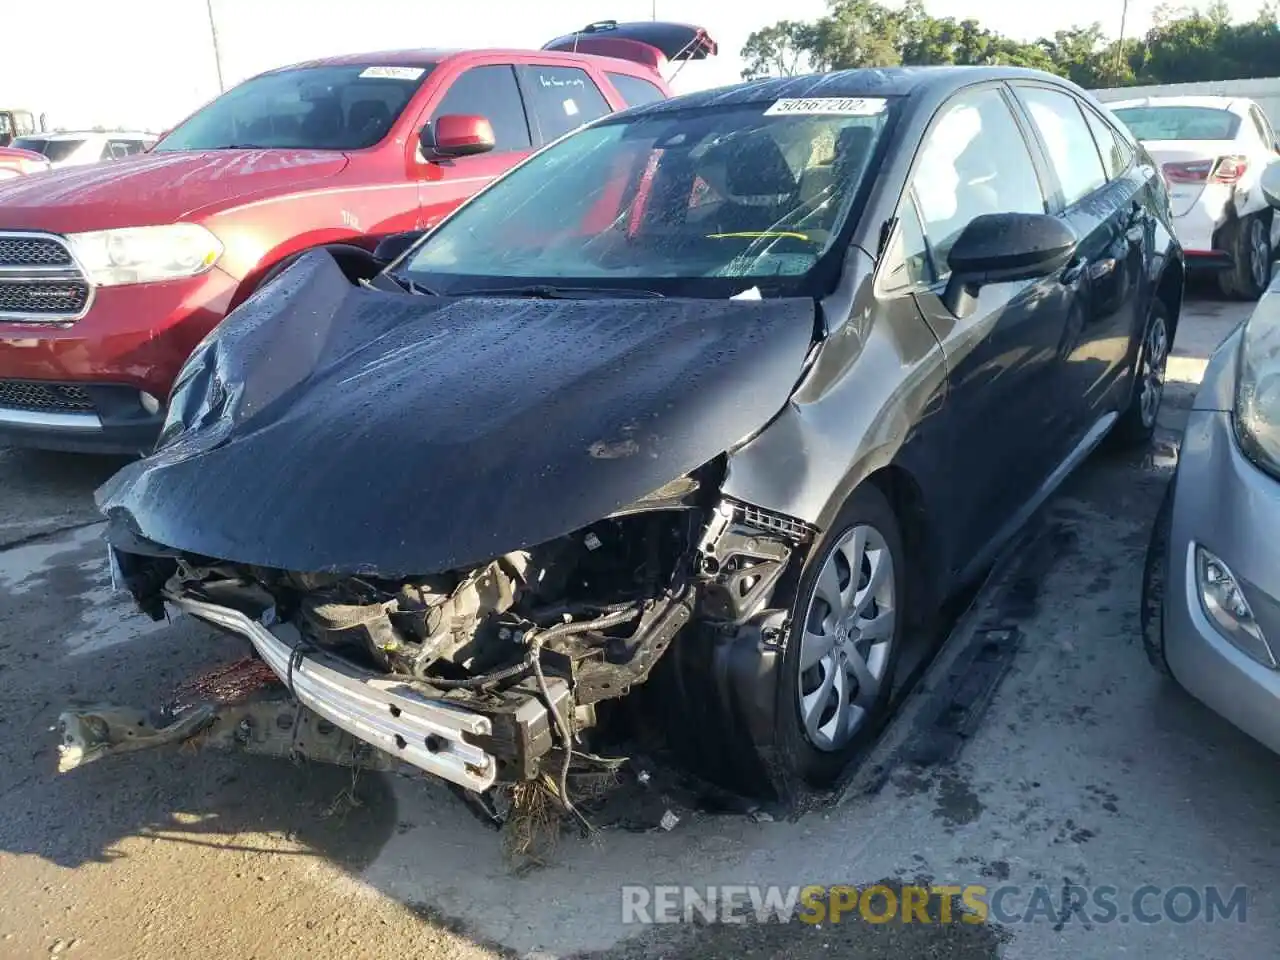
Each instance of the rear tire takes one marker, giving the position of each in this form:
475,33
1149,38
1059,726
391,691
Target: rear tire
1248,240
1137,421
847,623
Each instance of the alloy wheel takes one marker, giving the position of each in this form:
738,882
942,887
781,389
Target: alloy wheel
849,628
1259,252
1155,357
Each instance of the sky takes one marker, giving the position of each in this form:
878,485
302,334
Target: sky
148,63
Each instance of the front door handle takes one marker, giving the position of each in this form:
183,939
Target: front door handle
1074,270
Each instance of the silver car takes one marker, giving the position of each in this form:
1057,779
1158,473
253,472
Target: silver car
1211,590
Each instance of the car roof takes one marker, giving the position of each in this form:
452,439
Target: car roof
425,56
863,82
86,134
1232,104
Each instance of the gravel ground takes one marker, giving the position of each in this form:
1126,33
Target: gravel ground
1086,769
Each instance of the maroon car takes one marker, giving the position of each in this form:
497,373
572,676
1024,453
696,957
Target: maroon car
111,273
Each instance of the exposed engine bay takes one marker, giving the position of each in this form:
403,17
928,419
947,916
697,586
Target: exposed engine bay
495,673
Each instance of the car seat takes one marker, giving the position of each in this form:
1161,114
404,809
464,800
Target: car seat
368,120
758,186
323,125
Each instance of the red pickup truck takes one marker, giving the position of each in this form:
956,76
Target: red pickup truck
110,274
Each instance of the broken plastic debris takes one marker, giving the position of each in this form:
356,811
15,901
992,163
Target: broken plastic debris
751,294
643,777
669,821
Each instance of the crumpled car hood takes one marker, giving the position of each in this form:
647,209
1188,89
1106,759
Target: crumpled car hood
330,428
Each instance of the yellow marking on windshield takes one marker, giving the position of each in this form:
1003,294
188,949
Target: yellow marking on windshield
756,235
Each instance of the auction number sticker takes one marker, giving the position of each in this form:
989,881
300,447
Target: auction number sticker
391,73
828,106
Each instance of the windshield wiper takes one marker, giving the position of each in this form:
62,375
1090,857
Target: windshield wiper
412,286
544,291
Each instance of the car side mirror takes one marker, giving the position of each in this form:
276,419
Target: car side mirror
456,135
391,247
1270,183
1002,248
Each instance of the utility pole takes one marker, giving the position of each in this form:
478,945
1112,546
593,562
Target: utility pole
1124,16
217,54
653,10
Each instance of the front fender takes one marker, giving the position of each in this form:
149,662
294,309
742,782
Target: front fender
877,377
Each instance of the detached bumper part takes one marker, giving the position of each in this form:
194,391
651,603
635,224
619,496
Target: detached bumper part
272,727
380,710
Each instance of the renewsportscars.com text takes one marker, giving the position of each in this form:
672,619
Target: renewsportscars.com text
936,904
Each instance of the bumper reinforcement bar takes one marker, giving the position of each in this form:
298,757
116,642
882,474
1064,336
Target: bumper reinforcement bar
383,711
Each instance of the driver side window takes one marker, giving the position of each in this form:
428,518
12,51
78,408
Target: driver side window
974,160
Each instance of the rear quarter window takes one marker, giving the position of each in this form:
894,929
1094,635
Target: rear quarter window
635,92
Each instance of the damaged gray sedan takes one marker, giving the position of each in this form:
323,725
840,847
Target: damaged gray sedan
692,419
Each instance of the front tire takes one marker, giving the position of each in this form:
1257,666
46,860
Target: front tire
1248,240
847,624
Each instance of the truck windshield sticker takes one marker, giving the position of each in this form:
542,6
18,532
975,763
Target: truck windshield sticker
570,108
830,106
391,73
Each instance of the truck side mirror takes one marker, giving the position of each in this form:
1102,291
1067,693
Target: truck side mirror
456,135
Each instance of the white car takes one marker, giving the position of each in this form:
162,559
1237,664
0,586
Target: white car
1212,151
78,148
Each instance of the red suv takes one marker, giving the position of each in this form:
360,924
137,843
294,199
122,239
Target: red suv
110,274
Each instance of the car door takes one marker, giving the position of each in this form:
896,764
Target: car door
1107,214
559,98
1003,369
489,90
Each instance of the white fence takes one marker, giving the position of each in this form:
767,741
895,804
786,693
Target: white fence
1265,91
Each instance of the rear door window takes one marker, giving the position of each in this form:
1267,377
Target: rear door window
635,91
1069,144
490,92
1116,154
561,99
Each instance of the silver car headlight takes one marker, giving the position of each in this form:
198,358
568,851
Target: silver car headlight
1257,408
145,254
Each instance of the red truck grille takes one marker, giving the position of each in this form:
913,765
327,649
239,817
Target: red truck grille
43,298
39,280
22,395
19,250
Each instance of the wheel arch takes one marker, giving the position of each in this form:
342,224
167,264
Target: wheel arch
923,553
1169,288
922,539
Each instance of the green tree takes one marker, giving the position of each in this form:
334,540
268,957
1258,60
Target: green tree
782,50
1183,44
